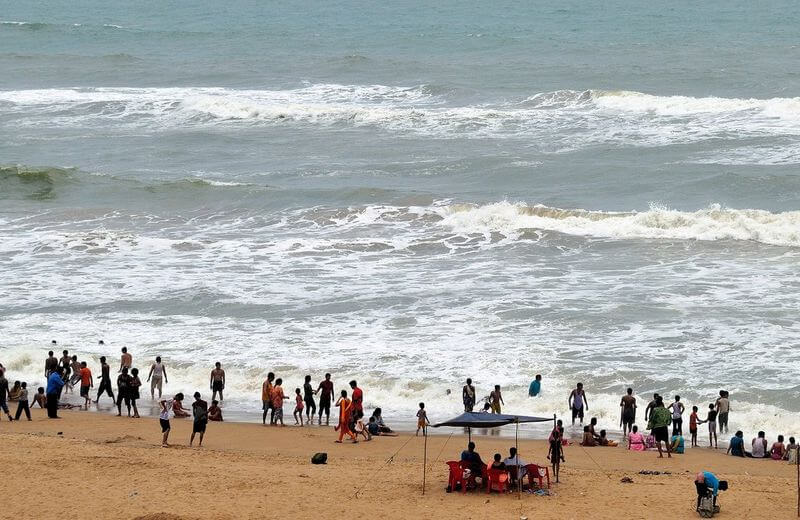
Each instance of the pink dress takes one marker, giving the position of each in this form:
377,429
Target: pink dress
636,441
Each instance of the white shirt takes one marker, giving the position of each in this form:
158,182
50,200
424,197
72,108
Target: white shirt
165,414
158,369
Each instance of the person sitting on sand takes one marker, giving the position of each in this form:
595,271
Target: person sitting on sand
592,430
588,438
791,451
177,407
778,450
678,445
360,428
15,391
379,421
40,398
373,428
604,441
759,446
214,411
736,445
636,440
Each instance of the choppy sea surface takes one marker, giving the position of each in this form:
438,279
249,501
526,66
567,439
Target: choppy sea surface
409,195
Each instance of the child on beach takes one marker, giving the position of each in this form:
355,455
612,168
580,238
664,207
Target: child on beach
603,440
298,408
277,401
22,402
693,418
163,417
588,438
711,419
422,420
555,454
214,411
359,427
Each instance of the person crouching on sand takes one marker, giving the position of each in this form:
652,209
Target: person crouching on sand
215,412
345,409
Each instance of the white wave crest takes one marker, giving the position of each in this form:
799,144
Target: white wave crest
712,223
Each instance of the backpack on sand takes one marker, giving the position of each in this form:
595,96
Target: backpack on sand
319,458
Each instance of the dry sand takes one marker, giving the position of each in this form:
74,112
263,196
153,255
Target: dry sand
107,467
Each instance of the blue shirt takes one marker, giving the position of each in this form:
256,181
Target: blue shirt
711,481
737,446
54,383
534,389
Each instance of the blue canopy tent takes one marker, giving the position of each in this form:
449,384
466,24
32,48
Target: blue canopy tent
471,420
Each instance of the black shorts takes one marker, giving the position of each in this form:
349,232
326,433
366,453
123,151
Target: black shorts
628,417
661,434
310,404
324,405
217,386
84,391
200,426
164,425
577,412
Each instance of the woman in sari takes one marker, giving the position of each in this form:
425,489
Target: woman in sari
345,409
636,440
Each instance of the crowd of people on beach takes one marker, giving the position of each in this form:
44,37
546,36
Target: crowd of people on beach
312,402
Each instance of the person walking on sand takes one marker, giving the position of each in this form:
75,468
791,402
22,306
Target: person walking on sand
50,364
163,417
157,377
468,396
200,418
658,425
422,420
125,360
308,398
358,397
677,416
266,399
217,381
578,403
325,391
4,394
54,385
628,412
123,391
105,381
277,401
22,403
136,383
345,410
87,382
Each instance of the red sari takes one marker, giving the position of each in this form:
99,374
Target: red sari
345,408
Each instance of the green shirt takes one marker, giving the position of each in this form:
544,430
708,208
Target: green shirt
659,417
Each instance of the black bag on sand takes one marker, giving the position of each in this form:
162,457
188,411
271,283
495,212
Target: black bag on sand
319,458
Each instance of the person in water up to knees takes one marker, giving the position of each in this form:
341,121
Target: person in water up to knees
578,403
535,387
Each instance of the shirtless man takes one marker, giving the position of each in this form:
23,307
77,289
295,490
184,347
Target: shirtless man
496,399
723,406
468,396
217,381
628,412
125,360
105,381
158,372
50,364
578,403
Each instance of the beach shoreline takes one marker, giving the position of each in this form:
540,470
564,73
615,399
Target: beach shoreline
245,470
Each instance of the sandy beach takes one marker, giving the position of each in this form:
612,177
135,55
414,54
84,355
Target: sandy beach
91,465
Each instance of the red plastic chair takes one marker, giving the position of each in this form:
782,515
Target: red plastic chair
538,472
456,475
497,480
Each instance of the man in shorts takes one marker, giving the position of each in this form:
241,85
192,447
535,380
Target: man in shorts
217,381
50,364
723,407
578,403
325,390
200,417
156,377
163,417
628,414
125,360
105,381
87,382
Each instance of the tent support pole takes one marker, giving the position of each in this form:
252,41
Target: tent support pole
425,462
519,479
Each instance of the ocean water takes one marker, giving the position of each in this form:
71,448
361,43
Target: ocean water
409,195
